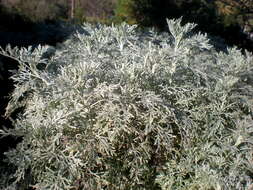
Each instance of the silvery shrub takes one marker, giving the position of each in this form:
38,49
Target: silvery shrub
119,108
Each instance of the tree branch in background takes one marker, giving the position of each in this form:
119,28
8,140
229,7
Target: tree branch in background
72,9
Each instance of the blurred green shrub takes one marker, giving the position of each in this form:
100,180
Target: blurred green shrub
124,12
94,11
155,12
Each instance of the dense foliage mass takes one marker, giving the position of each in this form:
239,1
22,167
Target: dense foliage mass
116,108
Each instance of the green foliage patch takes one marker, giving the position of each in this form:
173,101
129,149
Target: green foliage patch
116,108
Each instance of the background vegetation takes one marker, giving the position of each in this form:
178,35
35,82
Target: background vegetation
231,20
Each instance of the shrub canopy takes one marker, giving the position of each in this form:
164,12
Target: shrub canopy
116,108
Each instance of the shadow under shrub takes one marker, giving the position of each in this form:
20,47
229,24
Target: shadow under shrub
118,108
